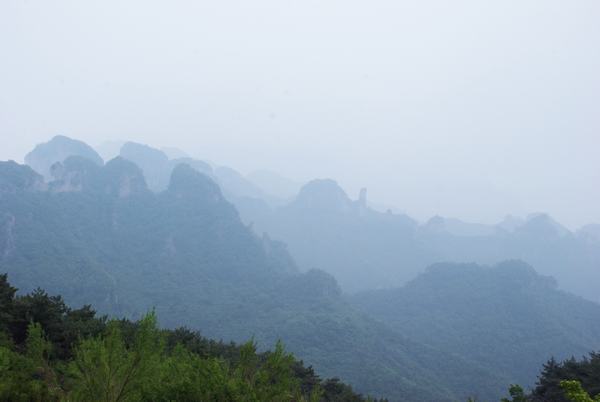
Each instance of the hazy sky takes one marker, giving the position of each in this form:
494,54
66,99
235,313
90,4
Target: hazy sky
472,109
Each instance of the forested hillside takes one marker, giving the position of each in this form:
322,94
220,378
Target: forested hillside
98,236
50,352
366,249
506,317
362,247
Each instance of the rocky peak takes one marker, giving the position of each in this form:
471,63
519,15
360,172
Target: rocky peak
134,151
435,224
197,164
186,182
75,174
16,178
510,223
323,195
153,162
123,178
542,226
44,155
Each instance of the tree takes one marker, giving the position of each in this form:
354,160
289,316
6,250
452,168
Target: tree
516,393
105,369
28,377
576,393
7,296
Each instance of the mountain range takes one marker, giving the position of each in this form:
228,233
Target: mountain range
207,247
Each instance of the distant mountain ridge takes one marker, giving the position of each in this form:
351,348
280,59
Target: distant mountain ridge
507,317
98,233
43,156
366,249
185,252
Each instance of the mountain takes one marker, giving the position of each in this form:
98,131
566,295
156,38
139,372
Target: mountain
174,153
365,249
157,168
43,156
539,241
237,183
98,235
156,165
250,200
180,236
153,162
506,317
41,336
325,229
456,227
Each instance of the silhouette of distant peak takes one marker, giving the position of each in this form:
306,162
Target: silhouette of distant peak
188,182
323,195
134,150
60,147
543,224
16,178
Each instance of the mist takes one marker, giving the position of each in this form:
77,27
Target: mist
300,200
461,109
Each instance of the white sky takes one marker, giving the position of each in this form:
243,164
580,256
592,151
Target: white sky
467,108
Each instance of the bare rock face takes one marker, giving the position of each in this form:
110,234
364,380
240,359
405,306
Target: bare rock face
59,148
123,178
75,174
119,177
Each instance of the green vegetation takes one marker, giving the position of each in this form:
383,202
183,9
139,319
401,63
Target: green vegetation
576,393
572,376
49,352
98,236
568,381
517,394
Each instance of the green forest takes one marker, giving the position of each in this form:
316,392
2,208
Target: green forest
97,236
50,352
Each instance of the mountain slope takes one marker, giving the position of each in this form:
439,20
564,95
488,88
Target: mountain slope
507,318
41,336
98,236
365,249
325,229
